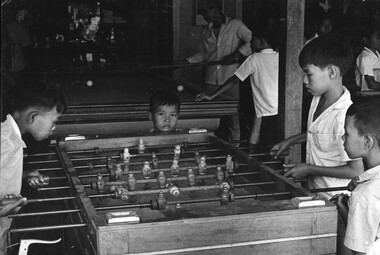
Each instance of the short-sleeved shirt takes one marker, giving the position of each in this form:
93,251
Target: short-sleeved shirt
363,223
366,62
234,35
324,145
12,147
262,67
374,249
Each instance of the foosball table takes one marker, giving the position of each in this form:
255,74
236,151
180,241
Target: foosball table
182,194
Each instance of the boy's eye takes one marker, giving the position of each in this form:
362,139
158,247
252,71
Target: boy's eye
173,115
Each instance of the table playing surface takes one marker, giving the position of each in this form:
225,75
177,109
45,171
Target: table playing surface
113,88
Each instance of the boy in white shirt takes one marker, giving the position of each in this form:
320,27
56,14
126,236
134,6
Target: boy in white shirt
37,107
368,60
262,68
362,140
324,60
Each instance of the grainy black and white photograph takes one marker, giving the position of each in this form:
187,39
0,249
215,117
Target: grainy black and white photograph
190,127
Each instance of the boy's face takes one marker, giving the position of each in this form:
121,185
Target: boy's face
315,79
165,118
44,123
325,27
374,41
353,142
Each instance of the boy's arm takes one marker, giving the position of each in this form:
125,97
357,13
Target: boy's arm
282,148
351,170
372,84
227,85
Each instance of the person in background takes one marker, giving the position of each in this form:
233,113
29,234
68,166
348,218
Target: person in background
164,109
262,68
362,140
227,40
36,109
324,61
322,27
368,61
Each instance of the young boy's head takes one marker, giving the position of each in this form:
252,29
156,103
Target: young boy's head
362,130
371,38
264,39
324,26
164,108
324,60
36,109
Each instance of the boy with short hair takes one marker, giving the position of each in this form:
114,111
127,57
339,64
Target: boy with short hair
368,60
362,140
324,60
36,109
164,108
262,68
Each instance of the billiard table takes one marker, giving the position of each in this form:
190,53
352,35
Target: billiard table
106,103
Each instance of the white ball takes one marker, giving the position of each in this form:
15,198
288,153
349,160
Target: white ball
89,83
180,88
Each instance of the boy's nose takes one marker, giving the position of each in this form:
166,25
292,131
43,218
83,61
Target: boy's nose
305,79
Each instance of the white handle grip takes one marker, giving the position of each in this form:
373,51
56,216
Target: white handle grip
24,244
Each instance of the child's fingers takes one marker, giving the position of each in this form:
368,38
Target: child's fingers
287,167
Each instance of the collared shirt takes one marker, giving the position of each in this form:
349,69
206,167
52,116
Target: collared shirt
366,62
10,168
374,249
324,145
262,67
363,223
233,36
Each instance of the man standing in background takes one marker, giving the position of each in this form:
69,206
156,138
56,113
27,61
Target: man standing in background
227,40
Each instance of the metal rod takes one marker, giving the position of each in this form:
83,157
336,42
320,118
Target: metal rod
242,185
205,200
328,189
140,163
49,169
147,155
54,188
156,191
135,147
49,199
271,162
39,154
143,181
43,213
34,229
41,162
156,170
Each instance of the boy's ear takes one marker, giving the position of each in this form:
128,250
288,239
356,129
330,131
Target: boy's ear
365,40
32,116
333,72
150,115
368,142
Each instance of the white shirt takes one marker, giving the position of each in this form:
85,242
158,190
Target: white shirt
363,223
365,63
324,145
233,36
374,249
262,68
10,168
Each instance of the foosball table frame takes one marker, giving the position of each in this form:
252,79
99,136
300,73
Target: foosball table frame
247,225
